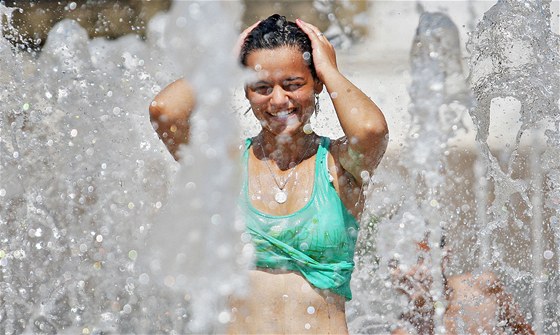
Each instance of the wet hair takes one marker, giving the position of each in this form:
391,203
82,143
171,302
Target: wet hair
275,32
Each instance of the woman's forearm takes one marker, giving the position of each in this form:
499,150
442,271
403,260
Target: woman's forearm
361,120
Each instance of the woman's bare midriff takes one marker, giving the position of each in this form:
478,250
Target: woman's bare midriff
280,302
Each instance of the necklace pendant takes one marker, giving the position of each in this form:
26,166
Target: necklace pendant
281,196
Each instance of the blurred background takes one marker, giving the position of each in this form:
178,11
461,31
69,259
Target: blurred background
111,19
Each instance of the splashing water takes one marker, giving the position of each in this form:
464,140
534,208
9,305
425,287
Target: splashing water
422,194
417,204
515,54
84,177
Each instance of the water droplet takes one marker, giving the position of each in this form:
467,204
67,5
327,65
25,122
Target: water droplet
169,281
2,192
158,205
307,326
99,238
132,254
15,154
310,310
19,254
127,309
74,132
25,106
364,175
72,6
144,279
334,95
224,317
130,205
548,254
181,22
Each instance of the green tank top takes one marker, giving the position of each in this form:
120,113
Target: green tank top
318,240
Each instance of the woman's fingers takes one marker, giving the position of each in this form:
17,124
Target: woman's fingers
324,55
242,37
313,32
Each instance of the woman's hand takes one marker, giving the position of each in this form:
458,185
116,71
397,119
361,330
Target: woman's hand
415,284
324,55
242,37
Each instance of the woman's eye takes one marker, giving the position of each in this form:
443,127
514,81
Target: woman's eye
293,87
264,90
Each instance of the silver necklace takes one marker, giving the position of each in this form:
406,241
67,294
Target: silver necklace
281,196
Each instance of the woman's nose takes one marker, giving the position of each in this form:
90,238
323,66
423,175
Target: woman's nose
279,96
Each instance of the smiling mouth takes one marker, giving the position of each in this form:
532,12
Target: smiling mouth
283,114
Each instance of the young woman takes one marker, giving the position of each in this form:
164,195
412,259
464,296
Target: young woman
302,193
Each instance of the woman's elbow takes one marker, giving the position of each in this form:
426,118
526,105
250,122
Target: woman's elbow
376,132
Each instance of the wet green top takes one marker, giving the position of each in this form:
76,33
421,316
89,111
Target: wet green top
318,240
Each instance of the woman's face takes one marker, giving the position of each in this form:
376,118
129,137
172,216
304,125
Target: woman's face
283,94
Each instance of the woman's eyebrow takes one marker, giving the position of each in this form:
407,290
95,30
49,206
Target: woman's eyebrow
294,79
260,82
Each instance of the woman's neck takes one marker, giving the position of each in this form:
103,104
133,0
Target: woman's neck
286,151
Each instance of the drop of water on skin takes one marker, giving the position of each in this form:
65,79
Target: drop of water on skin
224,317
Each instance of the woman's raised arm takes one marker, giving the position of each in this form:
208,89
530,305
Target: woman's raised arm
362,121
170,114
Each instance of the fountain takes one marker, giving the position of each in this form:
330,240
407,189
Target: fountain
85,180
101,230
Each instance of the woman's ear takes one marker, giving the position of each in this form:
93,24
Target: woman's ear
318,87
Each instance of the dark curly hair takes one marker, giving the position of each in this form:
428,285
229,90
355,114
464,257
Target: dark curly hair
276,32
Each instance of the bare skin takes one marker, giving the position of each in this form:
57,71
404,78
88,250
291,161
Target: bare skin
170,112
285,303
476,303
283,99
479,304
